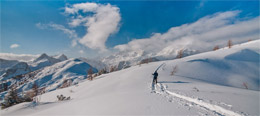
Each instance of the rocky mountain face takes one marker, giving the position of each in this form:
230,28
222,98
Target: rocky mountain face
12,68
94,63
61,57
5,64
44,60
49,72
17,69
53,77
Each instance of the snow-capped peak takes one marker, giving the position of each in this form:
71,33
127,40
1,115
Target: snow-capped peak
61,57
43,61
41,57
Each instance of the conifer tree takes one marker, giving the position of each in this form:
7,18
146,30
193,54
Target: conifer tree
90,72
229,43
180,54
216,48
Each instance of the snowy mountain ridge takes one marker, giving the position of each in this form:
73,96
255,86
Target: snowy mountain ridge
71,71
132,58
52,77
135,57
18,69
42,61
5,64
12,68
211,83
61,57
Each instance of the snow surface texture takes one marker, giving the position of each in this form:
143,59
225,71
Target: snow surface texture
205,84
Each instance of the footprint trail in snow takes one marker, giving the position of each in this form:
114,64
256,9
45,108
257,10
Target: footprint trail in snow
162,89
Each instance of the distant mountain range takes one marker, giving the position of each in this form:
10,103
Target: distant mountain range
12,68
50,71
47,72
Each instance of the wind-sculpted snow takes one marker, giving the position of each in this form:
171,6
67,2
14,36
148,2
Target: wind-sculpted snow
245,55
230,67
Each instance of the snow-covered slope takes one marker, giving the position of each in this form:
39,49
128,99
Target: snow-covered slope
229,67
52,77
196,89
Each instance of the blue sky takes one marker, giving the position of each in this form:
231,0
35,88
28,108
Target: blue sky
137,20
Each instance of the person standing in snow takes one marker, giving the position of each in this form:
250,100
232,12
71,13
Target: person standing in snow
155,75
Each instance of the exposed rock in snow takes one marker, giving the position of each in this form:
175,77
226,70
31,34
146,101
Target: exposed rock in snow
19,68
61,57
46,57
52,77
94,63
12,68
135,57
5,64
123,65
43,61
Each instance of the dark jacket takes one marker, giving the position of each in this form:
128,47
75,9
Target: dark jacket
155,75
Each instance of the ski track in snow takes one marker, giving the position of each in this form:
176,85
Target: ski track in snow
211,107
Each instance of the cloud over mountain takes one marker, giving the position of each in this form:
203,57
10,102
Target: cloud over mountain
69,32
14,46
100,20
201,35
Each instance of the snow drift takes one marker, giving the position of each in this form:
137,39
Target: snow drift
233,67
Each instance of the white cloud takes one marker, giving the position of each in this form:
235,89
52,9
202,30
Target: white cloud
201,35
14,46
81,51
41,26
101,21
71,33
85,7
19,57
